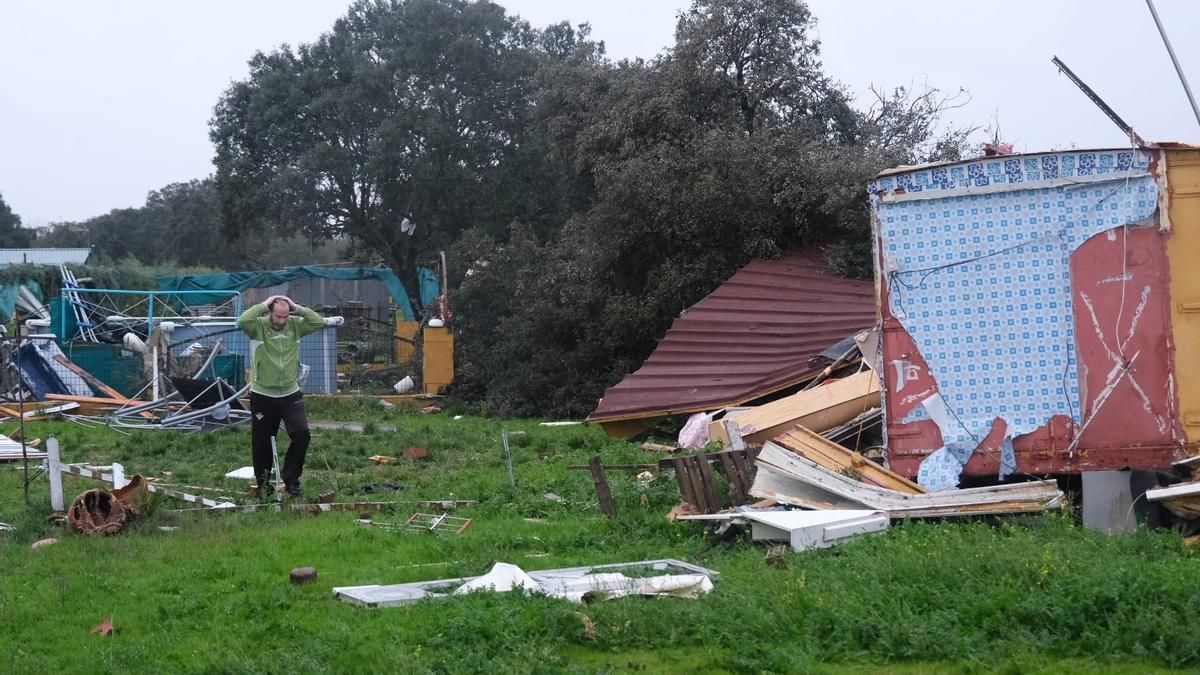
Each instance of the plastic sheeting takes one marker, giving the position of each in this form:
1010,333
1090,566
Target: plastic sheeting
978,264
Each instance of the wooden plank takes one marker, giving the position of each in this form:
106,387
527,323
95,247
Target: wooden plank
708,485
614,467
683,480
745,464
88,377
833,403
95,400
737,491
834,457
704,504
601,482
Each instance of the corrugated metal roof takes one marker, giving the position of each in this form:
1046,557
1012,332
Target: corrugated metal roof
750,337
44,256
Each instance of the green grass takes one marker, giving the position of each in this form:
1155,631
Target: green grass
1036,595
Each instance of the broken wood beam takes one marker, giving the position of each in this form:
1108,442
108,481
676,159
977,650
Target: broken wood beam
600,480
614,467
95,400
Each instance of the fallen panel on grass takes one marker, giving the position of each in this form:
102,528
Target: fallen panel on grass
792,479
428,523
572,583
805,530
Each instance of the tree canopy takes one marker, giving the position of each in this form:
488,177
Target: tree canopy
12,235
585,202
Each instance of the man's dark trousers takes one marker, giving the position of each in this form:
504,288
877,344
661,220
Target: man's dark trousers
266,412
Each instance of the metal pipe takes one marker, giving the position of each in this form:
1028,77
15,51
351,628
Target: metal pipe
1178,70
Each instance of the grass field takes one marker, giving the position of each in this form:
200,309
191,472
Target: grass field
1033,595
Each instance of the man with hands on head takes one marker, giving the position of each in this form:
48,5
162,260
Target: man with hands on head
275,396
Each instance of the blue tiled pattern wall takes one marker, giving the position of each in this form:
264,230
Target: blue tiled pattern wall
996,326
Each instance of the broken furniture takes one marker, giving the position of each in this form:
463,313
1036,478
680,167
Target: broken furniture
573,583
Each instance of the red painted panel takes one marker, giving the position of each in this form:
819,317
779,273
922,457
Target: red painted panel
1123,315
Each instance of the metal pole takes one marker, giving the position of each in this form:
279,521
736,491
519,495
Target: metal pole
21,406
508,457
1174,60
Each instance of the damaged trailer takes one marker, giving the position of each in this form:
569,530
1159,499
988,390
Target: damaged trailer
1040,312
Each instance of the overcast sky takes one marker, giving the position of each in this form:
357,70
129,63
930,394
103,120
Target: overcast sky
102,101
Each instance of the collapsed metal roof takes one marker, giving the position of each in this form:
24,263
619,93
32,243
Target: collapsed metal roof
44,256
752,336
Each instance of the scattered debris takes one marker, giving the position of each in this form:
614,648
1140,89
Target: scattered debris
326,497
430,410
5,527
405,385
694,476
1183,499
559,424
357,427
303,575
645,478
42,543
386,404
805,530
424,522
10,450
376,487
680,510
551,497
381,459
589,626
659,447
244,473
98,511
694,433
793,479
829,405
416,453
577,584
777,557
814,447
104,628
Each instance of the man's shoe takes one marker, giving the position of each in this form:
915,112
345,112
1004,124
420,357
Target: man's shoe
294,490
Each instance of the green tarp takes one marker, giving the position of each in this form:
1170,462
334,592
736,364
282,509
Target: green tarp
240,281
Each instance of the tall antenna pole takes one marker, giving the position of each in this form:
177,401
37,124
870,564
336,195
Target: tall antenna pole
1174,60
1104,107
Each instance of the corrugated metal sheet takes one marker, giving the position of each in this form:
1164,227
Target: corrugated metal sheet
44,256
750,337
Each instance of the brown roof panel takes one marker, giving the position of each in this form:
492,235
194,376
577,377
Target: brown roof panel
750,337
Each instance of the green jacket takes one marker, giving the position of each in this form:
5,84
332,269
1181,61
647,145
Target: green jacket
277,359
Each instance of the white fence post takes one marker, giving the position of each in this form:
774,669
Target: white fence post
54,468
